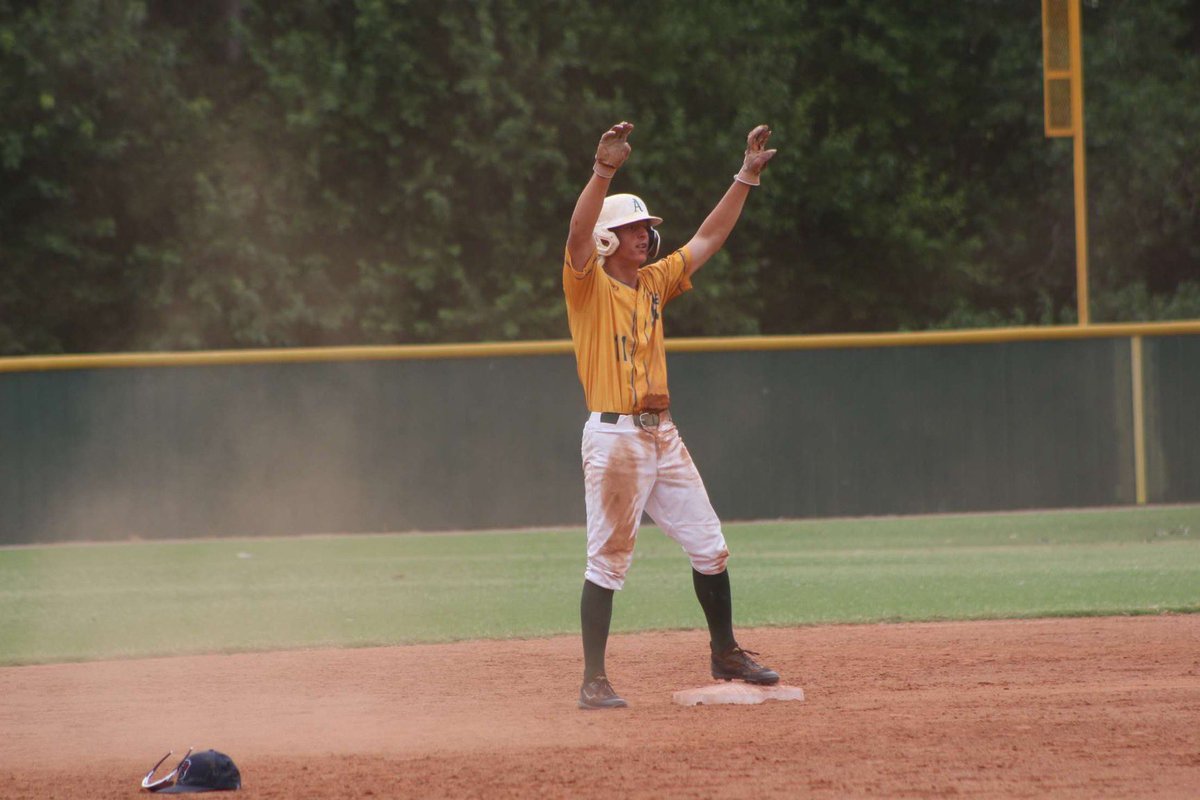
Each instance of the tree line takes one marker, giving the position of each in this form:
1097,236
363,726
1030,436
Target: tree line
241,173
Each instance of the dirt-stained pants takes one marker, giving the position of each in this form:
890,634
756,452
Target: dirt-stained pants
629,469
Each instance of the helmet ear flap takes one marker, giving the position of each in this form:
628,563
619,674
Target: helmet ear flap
606,241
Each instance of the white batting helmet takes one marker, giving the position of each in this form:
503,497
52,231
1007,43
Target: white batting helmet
618,210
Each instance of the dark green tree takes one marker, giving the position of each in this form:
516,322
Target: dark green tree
242,173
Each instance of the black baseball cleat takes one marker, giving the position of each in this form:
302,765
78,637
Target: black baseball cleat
598,693
736,664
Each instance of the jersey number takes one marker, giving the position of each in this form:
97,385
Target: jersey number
620,344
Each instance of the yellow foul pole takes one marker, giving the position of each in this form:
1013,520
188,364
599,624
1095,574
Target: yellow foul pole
1081,237
1062,51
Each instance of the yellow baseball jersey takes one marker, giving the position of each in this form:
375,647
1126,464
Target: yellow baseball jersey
618,331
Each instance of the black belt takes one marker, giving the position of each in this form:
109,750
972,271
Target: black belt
646,419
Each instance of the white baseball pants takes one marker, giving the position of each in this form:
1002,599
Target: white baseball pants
629,469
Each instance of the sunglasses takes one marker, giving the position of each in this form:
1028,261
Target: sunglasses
167,779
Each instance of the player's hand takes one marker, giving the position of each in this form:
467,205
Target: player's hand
613,149
757,155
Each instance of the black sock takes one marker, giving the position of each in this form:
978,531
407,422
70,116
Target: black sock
717,601
595,614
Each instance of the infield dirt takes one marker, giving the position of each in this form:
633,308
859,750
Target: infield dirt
1076,708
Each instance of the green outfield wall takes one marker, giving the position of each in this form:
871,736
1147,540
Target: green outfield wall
1172,388
487,436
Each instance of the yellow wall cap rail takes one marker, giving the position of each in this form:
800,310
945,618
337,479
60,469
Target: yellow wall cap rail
563,347
829,341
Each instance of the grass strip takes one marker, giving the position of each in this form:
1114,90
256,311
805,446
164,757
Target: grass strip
84,602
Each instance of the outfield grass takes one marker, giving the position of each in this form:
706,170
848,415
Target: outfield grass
81,602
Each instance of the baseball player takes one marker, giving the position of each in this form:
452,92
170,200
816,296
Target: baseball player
616,288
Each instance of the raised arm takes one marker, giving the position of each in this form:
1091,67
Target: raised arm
610,155
720,221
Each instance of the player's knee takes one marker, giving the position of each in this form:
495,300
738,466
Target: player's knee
606,574
710,562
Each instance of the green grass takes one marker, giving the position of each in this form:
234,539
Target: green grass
82,602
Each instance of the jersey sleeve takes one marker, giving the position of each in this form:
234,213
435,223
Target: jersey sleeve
669,275
579,284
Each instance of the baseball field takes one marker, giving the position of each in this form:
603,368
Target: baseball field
1010,655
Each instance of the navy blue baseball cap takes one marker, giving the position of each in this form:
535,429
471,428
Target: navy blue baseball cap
207,771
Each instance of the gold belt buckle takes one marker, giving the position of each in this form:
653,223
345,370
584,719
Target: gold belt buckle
646,419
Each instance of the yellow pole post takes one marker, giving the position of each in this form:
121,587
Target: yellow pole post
1139,420
1081,239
